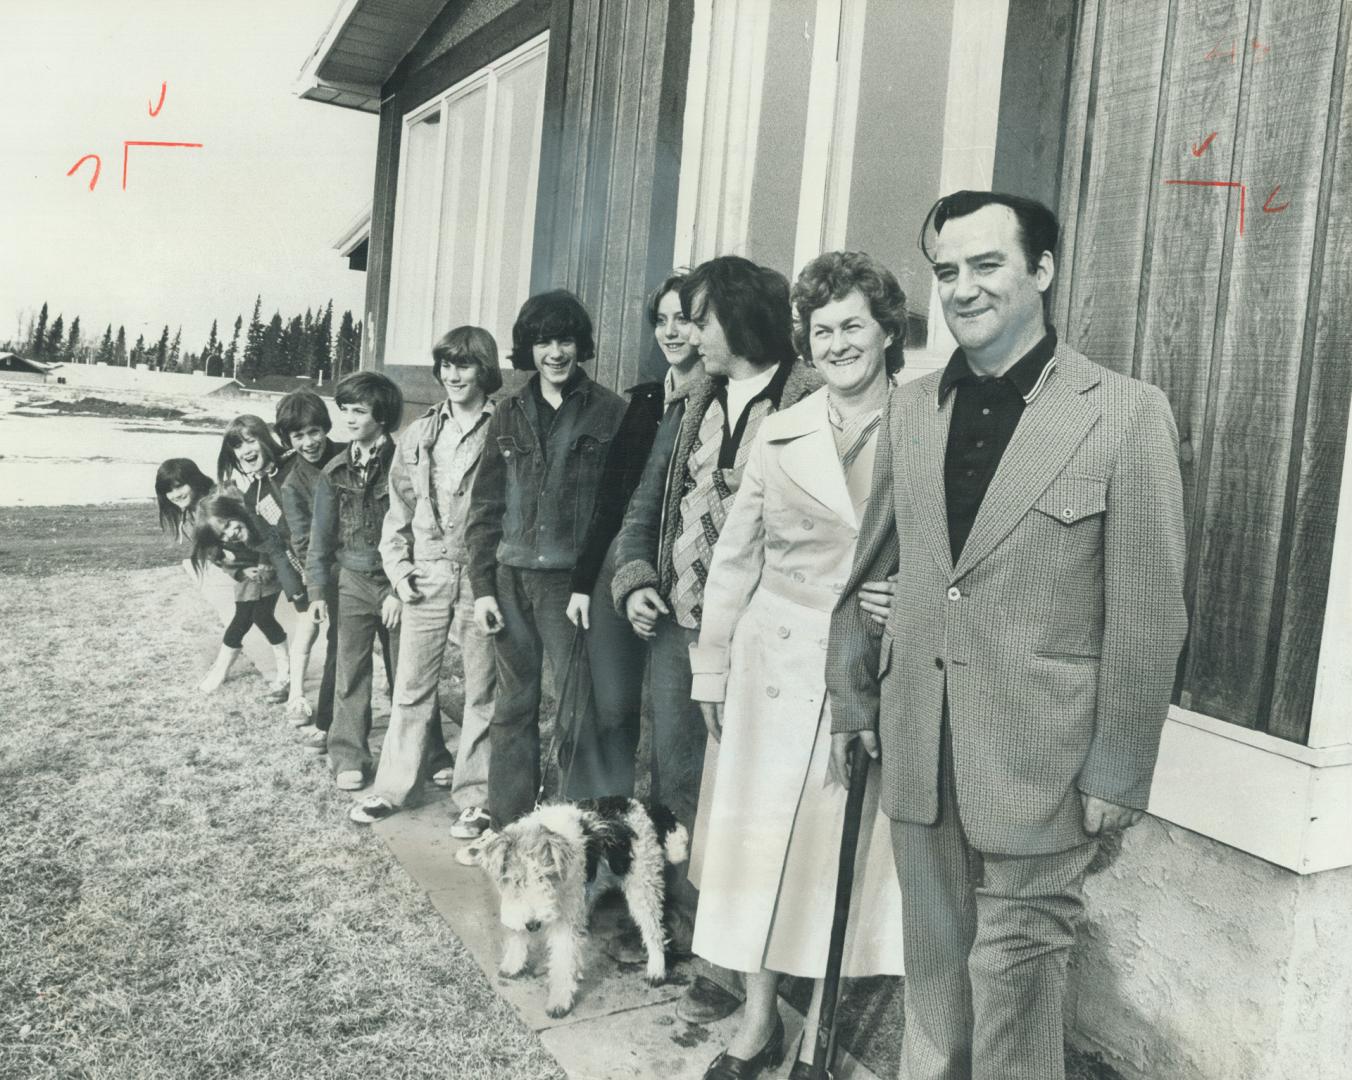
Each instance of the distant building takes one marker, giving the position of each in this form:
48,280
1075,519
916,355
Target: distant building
273,386
14,368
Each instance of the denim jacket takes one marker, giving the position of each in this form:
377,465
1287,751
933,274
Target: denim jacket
414,530
532,500
349,509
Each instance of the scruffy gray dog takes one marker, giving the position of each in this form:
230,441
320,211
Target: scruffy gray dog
551,865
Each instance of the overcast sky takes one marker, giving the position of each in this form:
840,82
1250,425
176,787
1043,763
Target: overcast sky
197,233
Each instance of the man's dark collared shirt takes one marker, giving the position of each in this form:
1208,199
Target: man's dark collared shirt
546,412
985,413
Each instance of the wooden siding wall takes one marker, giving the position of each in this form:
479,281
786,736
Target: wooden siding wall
605,227
1249,334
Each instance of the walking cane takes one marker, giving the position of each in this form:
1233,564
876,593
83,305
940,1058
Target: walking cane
824,1054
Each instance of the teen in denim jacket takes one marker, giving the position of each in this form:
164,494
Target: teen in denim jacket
529,511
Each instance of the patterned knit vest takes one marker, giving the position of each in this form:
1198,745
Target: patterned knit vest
709,491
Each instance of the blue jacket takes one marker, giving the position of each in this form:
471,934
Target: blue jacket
533,497
349,510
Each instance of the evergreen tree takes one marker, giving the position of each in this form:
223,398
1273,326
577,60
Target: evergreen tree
160,352
175,361
321,364
55,342
73,342
39,339
269,348
120,357
343,358
105,353
138,352
251,366
211,357
231,358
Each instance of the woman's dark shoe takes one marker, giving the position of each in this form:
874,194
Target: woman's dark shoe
727,1067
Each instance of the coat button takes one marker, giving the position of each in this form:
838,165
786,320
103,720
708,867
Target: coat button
807,523
798,577
783,631
954,593
939,663
1067,513
821,643
772,691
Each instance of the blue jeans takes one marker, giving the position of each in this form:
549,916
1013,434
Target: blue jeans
603,761
678,741
535,626
360,597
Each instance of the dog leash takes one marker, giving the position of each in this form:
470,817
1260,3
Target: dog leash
577,654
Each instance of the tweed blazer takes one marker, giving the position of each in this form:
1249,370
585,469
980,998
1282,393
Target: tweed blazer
1056,635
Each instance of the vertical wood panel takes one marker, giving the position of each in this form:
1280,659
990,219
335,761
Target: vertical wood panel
1075,151
1187,242
1256,399
1323,444
1112,213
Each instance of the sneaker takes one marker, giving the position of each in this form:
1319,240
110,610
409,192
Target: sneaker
298,711
372,809
444,778
350,780
469,854
312,739
472,822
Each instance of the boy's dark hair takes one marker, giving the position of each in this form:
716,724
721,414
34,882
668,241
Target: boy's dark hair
472,344
673,281
751,303
174,473
253,427
832,276
547,315
226,505
1039,230
299,410
376,392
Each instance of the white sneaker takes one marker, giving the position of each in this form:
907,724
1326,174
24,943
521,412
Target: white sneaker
470,854
298,711
472,822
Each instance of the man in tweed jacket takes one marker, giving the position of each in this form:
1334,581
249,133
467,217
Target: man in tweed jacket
1030,504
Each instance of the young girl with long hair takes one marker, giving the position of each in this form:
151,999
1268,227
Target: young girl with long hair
250,450
179,486
245,546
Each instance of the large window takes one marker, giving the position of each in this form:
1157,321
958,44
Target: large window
465,208
819,128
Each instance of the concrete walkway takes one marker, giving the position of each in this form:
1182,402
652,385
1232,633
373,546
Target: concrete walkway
620,1028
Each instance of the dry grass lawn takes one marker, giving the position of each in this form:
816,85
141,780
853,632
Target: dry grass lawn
181,895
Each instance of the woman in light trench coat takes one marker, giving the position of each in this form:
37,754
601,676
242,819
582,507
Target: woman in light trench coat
767,836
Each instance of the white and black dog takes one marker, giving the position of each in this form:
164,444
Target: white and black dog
552,864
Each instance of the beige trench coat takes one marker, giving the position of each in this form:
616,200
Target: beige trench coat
767,836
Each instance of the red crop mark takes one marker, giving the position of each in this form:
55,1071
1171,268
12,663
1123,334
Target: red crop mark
1243,192
1198,151
98,168
155,109
128,144
1268,208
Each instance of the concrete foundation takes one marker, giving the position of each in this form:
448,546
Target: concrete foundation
1197,961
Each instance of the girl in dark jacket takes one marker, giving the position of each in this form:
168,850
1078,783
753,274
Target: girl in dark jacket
252,552
603,760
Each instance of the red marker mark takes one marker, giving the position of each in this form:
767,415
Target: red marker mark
128,144
1216,53
1198,151
98,167
1268,208
1262,50
155,109
1243,192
